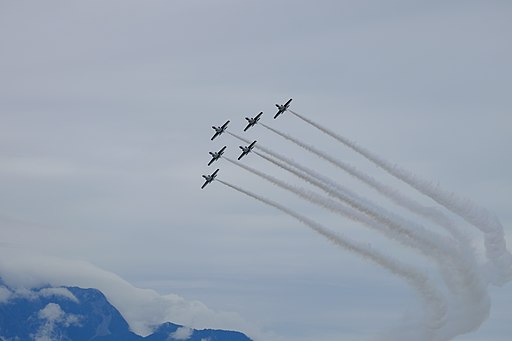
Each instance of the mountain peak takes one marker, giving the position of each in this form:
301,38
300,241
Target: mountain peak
72,313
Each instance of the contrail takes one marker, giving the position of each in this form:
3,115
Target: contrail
428,292
430,213
489,224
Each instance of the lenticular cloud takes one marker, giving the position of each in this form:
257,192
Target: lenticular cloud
143,309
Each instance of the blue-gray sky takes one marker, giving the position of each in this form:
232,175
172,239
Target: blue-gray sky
106,110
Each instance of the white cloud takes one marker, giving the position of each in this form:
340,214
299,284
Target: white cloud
28,294
62,292
3,338
142,308
53,315
5,294
182,333
25,293
52,312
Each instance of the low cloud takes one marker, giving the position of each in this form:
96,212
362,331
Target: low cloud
143,309
52,312
5,294
60,292
3,338
53,316
29,294
182,333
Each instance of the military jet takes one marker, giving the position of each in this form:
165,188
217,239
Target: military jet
282,108
252,120
216,155
246,150
209,178
219,130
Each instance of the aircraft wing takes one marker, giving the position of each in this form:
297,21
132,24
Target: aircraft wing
279,113
288,103
214,136
248,126
252,145
242,155
206,183
211,161
225,125
222,150
258,116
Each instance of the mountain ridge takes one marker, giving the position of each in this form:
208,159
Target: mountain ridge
74,313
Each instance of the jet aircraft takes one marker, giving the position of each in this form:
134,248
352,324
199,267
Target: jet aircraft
252,120
219,130
282,108
209,178
246,150
216,155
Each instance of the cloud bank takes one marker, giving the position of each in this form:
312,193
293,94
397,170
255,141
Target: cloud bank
143,309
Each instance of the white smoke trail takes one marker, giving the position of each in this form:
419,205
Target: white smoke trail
494,236
457,266
325,184
458,269
428,292
475,302
429,240
431,213
238,137
331,205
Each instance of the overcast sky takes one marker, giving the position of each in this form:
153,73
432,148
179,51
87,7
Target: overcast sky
106,110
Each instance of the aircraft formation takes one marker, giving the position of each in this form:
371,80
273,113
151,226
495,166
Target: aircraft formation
219,130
